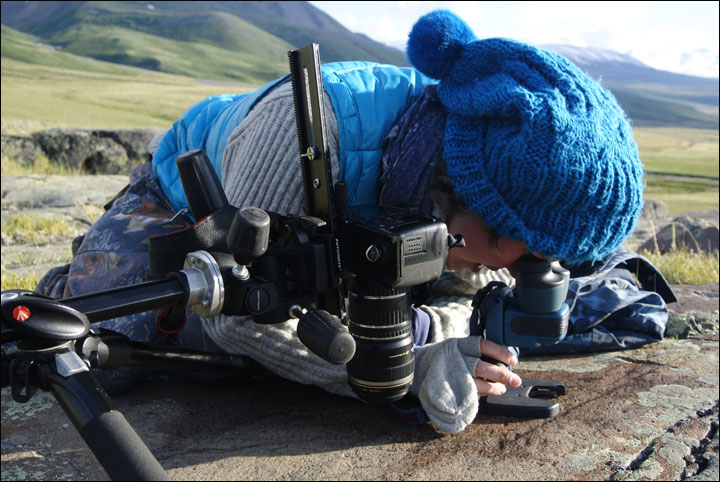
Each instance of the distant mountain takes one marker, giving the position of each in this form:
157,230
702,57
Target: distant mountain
651,97
239,41
248,42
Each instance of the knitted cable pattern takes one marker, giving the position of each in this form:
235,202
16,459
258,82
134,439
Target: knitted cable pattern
535,147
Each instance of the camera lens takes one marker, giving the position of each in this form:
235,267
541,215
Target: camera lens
539,288
379,320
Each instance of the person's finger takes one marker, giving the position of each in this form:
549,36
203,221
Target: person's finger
494,373
487,388
497,352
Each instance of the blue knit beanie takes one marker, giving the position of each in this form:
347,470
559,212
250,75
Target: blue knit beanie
534,146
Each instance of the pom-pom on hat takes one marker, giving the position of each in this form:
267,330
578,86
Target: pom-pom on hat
534,146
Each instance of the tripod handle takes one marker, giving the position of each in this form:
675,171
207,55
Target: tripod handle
115,444
202,187
120,450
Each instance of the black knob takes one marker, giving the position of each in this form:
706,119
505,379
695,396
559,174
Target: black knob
248,235
326,336
202,187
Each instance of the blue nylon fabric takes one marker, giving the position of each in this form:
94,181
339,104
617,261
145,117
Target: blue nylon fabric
206,125
367,99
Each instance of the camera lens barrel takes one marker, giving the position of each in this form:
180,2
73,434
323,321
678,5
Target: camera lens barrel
380,322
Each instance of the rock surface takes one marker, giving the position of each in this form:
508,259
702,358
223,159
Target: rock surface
684,233
90,151
656,230
644,414
77,200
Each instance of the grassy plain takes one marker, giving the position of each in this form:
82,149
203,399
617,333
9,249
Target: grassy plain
54,89
125,98
687,152
690,153
43,85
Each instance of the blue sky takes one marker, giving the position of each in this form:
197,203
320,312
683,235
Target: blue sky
676,36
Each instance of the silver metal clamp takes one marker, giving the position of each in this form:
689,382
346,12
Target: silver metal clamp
206,288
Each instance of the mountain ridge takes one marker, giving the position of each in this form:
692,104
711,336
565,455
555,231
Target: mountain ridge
248,42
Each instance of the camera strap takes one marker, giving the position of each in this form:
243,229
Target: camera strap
168,251
481,303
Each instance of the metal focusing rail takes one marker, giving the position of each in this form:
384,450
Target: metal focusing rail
323,199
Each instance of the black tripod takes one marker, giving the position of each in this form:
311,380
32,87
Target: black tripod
55,347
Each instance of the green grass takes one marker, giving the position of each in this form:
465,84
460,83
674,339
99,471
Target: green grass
687,152
681,152
25,229
60,89
40,165
211,45
683,195
29,279
686,267
189,58
62,97
18,281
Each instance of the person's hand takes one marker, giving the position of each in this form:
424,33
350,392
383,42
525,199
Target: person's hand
450,376
489,378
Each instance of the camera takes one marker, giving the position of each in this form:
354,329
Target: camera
376,255
386,253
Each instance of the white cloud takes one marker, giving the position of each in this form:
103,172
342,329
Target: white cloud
384,29
349,21
676,36
472,12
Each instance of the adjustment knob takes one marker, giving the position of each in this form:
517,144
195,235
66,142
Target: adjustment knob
248,235
325,335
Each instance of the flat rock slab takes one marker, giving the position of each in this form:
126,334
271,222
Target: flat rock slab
42,191
644,414
647,414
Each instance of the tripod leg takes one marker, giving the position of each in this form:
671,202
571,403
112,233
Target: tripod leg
118,448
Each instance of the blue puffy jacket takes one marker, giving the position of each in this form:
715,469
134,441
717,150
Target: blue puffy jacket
367,99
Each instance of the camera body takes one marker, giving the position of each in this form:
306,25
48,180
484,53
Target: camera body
531,314
393,246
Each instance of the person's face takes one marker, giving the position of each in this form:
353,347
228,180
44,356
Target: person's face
482,247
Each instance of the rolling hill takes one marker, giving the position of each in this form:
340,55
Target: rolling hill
247,42
235,41
652,97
